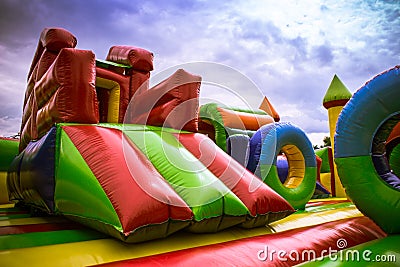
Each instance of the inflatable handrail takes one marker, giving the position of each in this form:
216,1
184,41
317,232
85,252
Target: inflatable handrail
65,93
138,58
223,119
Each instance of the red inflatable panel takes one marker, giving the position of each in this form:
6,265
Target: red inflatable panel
53,39
44,63
139,82
103,151
65,94
138,58
172,103
42,227
258,197
74,100
280,249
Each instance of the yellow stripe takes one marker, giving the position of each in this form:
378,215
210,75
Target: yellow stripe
296,164
108,250
113,102
299,220
7,206
333,115
34,220
326,180
328,199
3,188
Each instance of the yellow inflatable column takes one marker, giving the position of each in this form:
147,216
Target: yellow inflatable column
335,98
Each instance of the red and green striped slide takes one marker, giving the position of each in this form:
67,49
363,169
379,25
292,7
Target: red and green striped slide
139,183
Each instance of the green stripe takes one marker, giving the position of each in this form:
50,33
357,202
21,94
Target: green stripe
15,216
243,110
8,151
394,160
323,153
373,196
14,209
77,191
199,188
210,113
328,207
106,64
47,238
297,196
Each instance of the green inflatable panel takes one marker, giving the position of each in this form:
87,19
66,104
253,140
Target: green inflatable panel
8,151
73,175
323,153
394,160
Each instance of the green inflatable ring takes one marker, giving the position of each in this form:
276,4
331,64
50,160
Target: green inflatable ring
362,129
299,151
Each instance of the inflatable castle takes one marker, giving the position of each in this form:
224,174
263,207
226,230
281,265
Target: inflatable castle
110,172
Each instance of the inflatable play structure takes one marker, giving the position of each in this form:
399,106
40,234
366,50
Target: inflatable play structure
110,172
255,139
334,100
361,145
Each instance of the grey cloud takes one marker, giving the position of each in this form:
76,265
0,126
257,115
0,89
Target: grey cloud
292,72
323,54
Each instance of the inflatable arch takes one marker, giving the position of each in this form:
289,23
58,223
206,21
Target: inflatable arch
257,135
266,145
362,130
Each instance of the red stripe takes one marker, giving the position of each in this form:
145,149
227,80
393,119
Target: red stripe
257,196
44,227
332,167
245,252
13,212
103,151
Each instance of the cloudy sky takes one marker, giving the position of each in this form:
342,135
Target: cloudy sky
289,49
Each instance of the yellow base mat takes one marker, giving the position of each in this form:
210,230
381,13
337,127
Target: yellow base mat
108,250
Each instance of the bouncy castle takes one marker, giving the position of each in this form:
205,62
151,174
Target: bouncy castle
109,171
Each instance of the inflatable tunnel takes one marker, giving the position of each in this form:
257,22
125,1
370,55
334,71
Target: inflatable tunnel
220,122
255,139
267,144
360,154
